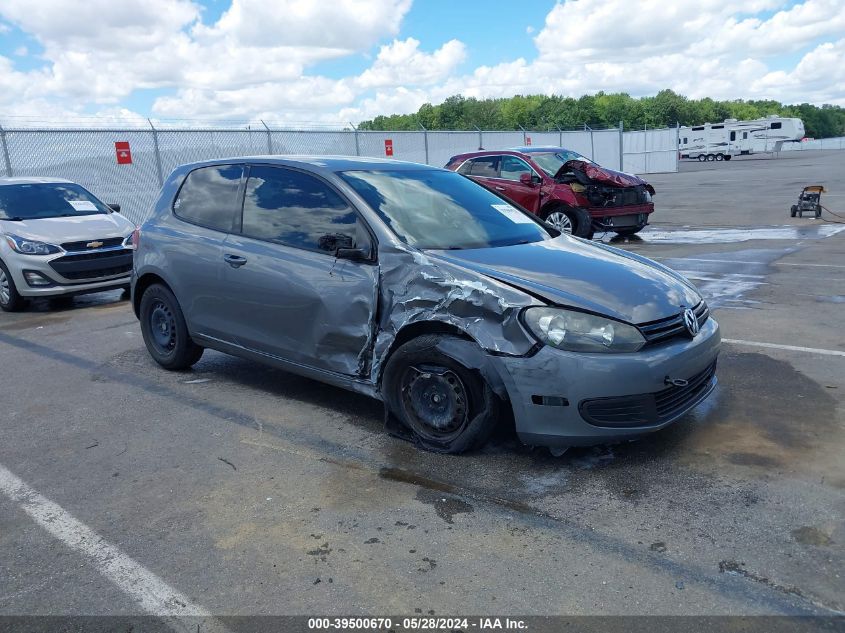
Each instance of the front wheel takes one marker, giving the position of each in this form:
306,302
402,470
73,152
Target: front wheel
575,222
728,156
10,299
449,408
164,330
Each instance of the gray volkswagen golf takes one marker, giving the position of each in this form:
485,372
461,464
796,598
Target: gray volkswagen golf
419,287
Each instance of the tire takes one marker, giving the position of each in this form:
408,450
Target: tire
629,230
793,211
10,299
711,157
448,407
164,330
701,158
728,156
720,157
572,221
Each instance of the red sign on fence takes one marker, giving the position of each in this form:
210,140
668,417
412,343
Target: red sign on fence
388,147
528,140
124,154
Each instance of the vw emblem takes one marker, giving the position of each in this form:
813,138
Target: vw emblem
691,322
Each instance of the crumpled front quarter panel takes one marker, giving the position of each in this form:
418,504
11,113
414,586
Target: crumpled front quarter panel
416,287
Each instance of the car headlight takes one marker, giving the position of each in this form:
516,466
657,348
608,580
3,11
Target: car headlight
579,332
31,247
647,196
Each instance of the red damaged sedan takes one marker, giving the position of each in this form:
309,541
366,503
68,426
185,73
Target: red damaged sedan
565,189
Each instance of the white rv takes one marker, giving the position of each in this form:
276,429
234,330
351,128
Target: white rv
723,141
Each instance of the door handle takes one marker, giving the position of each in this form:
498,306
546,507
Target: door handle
500,189
235,261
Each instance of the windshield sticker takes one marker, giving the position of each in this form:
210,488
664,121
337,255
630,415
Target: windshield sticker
514,214
82,205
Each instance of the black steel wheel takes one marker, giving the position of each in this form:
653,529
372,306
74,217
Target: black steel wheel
164,330
448,407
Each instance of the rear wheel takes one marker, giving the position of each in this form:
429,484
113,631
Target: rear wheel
720,157
10,300
793,211
571,221
448,407
164,330
702,158
711,157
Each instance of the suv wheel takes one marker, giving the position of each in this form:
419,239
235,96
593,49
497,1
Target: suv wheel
10,300
164,330
575,222
448,407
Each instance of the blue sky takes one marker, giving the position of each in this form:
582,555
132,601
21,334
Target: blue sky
352,59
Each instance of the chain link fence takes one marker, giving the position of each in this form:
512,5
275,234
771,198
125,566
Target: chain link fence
88,155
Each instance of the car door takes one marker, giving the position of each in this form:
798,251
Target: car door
204,212
289,296
511,169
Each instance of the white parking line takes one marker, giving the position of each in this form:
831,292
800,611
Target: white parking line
733,261
153,595
791,348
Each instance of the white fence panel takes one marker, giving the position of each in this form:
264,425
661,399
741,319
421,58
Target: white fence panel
650,151
443,145
606,150
406,145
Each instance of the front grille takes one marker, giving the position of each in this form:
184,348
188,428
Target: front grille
613,197
83,245
647,409
673,326
93,265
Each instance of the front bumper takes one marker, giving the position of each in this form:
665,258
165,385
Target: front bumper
547,390
70,273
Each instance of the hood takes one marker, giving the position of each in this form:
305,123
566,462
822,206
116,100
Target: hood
569,272
594,173
74,229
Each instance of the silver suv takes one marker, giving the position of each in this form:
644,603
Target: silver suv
420,287
57,238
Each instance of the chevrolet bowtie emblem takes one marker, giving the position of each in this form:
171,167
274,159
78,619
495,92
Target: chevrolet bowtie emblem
93,244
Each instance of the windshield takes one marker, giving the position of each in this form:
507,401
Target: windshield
47,200
443,210
553,161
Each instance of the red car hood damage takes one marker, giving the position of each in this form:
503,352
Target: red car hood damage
588,173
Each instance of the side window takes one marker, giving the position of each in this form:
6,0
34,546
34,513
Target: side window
513,168
745,135
485,166
776,126
295,209
733,136
208,196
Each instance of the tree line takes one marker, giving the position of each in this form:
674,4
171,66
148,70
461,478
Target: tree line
602,110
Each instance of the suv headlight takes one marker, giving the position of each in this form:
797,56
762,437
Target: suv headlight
31,247
579,332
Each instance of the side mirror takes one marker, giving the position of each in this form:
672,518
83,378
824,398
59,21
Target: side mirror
530,179
353,254
114,207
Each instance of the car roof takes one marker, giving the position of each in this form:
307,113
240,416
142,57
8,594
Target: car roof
531,149
328,163
32,180
512,151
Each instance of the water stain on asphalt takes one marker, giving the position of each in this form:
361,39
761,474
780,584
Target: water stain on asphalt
726,235
446,507
809,535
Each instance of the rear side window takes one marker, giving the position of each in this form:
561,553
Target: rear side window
295,209
776,126
485,167
209,197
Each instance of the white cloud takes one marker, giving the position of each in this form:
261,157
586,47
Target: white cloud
21,51
257,60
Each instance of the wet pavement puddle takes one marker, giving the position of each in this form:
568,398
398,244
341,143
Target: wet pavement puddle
740,234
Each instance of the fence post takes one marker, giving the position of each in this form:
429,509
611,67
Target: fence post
355,132
592,143
157,153
677,145
621,146
645,146
523,134
559,136
425,140
5,152
269,138
480,137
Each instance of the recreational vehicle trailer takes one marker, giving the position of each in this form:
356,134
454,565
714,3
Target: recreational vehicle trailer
723,141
